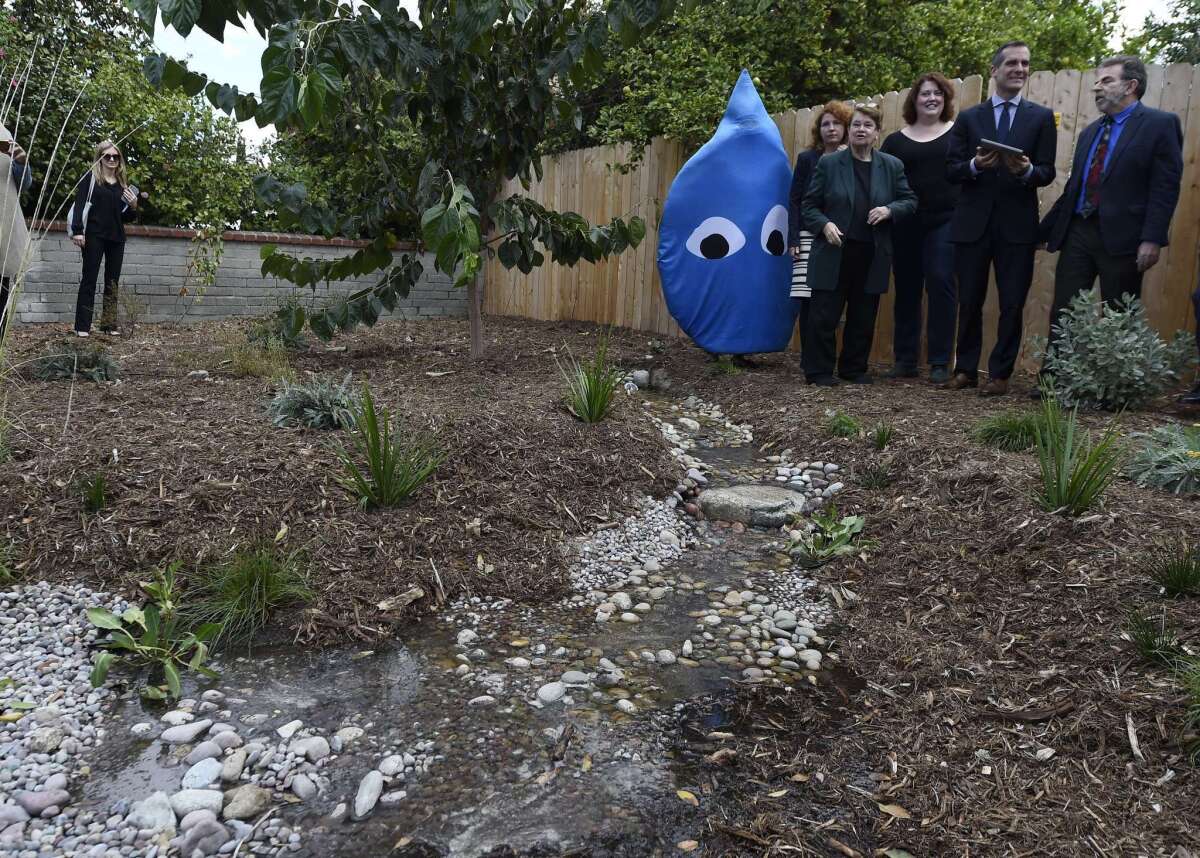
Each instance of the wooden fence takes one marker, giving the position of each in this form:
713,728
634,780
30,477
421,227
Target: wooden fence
626,291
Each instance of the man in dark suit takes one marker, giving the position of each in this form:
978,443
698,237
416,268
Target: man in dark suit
1112,219
995,222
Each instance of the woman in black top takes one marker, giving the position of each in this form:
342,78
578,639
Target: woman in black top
829,129
924,256
104,200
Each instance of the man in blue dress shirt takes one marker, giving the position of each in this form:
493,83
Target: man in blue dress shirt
1112,219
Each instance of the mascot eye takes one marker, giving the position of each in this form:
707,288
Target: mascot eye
716,238
774,231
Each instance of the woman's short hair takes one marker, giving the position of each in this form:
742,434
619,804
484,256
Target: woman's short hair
938,80
841,112
871,110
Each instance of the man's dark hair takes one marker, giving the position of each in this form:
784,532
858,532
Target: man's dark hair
998,57
1132,68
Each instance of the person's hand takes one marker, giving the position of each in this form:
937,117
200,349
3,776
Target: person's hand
986,159
17,153
832,234
795,253
129,197
1017,164
79,240
878,215
1147,255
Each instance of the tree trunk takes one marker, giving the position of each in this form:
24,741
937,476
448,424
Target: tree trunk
475,313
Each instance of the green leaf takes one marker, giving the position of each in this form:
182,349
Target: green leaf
153,692
171,674
134,615
100,668
180,14
103,618
311,100
280,92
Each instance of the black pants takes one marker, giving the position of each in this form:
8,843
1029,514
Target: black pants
923,262
5,288
825,311
1081,260
94,251
1014,274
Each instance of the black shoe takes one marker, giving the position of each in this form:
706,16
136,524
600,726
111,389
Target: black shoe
903,371
110,331
861,378
1192,398
1039,380
823,381
939,374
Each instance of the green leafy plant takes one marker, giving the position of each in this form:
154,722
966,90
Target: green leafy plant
1167,457
395,467
154,637
827,537
95,493
203,264
1110,357
1153,639
11,704
882,435
261,360
591,385
285,326
1075,472
1013,431
1177,570
724,365
841,425
240,594
67,359
318,404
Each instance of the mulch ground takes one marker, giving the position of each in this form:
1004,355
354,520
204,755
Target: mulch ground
986,703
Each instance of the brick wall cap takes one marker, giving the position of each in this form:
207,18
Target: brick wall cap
231,235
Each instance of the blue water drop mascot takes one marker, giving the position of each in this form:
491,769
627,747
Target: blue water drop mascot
722,242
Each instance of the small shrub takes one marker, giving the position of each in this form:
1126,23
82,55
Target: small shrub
240,594
9,574
284,325
1153,639
153,636
827,537
1111,358
724,365
1177,571
261,361
1014,431
68,359
395,467
592,385
842,425
1167,457
882,435
876,475
1075,472
95,493
133,309
319,404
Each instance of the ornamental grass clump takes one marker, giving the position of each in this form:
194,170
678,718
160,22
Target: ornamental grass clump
591,385
1075,471
1167,457
1013,431
1177,570
1189,678
318,404
394,467
241,593
1155,640
68,360
1109,357
94,491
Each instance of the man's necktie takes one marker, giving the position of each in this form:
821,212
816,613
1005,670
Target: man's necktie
1091,193
1005,121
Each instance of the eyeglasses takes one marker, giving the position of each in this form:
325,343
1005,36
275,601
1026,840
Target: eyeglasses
110,157
868,104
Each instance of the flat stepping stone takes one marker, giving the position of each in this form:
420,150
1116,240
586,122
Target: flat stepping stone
755,505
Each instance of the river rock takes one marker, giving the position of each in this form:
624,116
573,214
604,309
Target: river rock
187,800
202,774
185,733
11,814
205,750
154,813
369,790
176,717
482,700
391,766
194,818
303,787
35,803
246,802
231,766
349,734
313,748
757,505
289,729
626,706
226,739
575,677
622,601
204,838
551,692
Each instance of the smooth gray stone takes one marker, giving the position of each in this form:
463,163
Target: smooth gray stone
755,505
187,800
154,813
185,733
368,794
34,803
202,774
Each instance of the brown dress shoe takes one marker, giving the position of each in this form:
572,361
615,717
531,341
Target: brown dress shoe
995,387
959,381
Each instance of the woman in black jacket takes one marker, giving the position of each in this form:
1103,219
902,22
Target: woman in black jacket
829,130
104,201
854,197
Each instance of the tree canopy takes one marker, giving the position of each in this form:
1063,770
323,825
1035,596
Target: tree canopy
1174,38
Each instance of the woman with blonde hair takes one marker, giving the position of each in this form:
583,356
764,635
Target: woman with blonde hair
829,129
104,201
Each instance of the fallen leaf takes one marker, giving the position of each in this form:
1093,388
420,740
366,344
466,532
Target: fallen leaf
721,756
282,534
587,763
800,778
1045,754
402,842
895,810
897,853
777,793
687,845
545,777
690,798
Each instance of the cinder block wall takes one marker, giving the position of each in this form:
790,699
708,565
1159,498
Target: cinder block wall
155,269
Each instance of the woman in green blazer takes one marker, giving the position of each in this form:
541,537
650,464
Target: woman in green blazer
852,201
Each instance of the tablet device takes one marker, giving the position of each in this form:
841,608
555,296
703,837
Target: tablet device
1004,148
